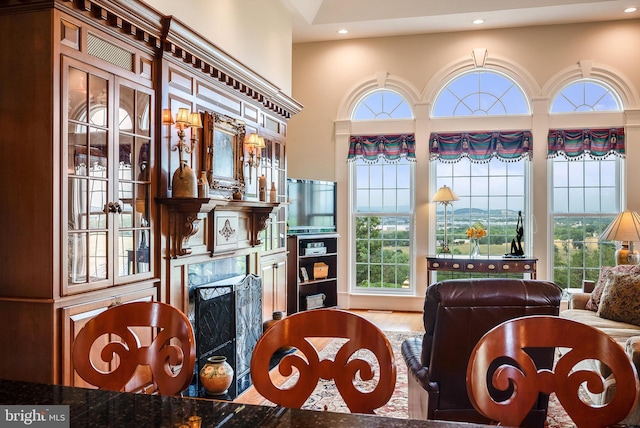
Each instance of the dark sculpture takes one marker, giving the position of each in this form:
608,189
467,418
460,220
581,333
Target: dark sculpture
516,244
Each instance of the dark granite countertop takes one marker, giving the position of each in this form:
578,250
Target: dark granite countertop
99,408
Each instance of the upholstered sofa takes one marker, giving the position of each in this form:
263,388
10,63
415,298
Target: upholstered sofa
613,306
456,315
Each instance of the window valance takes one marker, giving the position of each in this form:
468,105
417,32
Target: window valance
576,143
389,147
480,147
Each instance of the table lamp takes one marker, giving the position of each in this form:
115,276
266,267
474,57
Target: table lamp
626,228
445,196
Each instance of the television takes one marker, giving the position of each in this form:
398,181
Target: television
312,206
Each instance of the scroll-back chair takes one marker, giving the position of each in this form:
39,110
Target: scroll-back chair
135,343
503,382
349,361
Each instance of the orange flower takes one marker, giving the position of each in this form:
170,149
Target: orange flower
476,231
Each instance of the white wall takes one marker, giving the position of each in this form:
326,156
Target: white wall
325,73
255,32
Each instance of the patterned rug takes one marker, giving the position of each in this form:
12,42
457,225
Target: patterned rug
325,396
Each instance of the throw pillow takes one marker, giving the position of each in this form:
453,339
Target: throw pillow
605,273
596,294
621,299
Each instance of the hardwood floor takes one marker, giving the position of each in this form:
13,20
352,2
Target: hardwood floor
384,320
392,320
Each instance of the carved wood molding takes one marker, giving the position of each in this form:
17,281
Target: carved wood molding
184,221
129,19
136,21
190,48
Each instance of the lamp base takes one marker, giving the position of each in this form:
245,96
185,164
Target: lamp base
626,257
444,250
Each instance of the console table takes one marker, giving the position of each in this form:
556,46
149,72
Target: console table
488,265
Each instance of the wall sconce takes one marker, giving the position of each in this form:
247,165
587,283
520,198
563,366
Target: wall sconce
254,144
445,196
626,228
185,183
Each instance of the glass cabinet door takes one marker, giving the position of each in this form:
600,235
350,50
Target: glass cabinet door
108,138
274,169
88,134
134,143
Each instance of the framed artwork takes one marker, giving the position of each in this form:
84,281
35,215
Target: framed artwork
223,153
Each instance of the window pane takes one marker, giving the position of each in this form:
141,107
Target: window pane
480,93
491,193
585,96
382,104
383,230
362,201
582,208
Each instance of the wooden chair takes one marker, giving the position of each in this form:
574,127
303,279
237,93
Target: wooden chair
296,330
109,352
503,382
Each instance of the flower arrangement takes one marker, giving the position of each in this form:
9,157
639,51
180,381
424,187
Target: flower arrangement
476,231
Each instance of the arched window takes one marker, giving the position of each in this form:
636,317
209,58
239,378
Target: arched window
488,170
586,95
587,169
480,93
382,104
382,208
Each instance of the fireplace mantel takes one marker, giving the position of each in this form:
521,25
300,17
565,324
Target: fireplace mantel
184,218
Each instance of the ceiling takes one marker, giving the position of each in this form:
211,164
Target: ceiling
319,20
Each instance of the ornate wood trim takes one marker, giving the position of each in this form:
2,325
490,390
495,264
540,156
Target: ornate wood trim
184,221
185,45
135,21
126,19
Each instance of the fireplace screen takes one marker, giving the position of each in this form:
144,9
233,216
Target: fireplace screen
228,322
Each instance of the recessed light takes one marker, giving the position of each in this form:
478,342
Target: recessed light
478,21
343,31
630,9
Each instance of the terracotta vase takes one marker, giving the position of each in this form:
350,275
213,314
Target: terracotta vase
216,375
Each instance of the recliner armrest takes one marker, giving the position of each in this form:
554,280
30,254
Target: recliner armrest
579,300
412,353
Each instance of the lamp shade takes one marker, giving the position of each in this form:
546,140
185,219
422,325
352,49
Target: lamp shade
254,140
167,118
444,195
195,121
183,116
625,227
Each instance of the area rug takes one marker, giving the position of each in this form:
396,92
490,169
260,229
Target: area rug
326,397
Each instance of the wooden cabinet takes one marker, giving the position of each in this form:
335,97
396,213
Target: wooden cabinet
79,184
89,217
313,272
273,270
75,317
106,135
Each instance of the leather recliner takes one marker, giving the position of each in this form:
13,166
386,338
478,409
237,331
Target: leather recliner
457,313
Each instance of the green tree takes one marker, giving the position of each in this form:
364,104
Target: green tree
368,248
